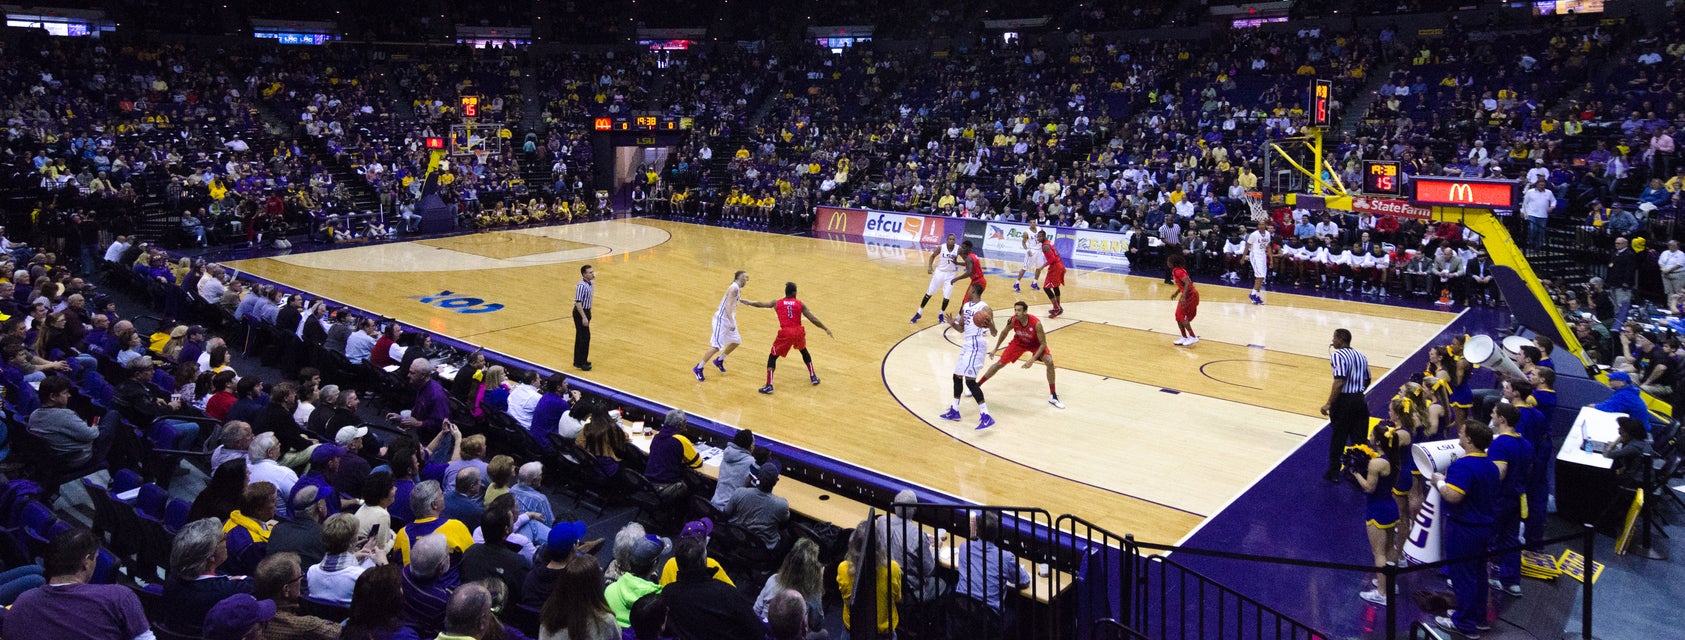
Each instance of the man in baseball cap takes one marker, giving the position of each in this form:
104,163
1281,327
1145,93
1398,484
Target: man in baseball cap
698,529
1625,399
353,467
238,617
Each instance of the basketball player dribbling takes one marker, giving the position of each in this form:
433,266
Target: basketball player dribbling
941,266
1032,258
971,267
974,350
1027,337
1055,281
1258,249
791,334
725,339
1186,297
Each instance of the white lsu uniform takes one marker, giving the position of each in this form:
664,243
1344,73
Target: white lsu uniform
725,320
1258,249
1033,258
943,277
974,345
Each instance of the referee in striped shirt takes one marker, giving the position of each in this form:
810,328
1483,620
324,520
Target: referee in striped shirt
582,318
1348,414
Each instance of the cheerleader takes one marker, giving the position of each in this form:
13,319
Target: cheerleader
518,214
1407,489
1458,371
538,211
1377,481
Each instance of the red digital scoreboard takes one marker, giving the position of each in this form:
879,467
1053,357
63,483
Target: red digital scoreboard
1465,192
1380,177
434,143
1322,91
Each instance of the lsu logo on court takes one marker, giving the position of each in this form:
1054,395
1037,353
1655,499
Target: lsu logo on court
458,303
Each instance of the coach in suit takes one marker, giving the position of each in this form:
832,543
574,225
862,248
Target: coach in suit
582,294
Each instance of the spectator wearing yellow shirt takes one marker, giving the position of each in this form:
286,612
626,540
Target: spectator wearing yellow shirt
947,202
427,500
888,581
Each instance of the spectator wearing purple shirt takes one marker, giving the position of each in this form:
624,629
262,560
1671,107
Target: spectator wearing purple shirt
547,416
432,406
70,608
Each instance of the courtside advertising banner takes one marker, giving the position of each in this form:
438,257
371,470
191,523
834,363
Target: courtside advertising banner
1005,237
830,222
1102,247
895,226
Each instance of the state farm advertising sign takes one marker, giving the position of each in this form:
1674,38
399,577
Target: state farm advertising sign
1391,207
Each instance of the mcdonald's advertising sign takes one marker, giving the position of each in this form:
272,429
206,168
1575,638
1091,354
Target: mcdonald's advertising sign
837,221
1465,192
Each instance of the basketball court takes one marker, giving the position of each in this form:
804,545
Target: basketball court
1154,438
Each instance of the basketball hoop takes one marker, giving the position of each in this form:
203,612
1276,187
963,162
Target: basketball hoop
1255,204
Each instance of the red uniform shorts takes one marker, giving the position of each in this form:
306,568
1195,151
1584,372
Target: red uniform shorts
1014,350
1187,308
1055,276
789,339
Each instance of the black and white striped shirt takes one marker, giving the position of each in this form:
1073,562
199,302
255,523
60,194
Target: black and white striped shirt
1352,366
582,294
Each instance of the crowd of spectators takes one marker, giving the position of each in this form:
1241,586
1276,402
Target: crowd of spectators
317,522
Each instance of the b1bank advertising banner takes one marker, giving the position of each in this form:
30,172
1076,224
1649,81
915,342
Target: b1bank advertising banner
1104,247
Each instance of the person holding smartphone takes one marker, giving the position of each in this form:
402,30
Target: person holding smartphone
348,556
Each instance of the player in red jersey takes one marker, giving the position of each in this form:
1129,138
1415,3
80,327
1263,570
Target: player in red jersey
973,269
1055,274
1027,337
791,334
1186,297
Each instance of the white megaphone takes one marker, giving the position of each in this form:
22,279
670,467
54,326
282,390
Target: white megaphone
1483,351
1427,532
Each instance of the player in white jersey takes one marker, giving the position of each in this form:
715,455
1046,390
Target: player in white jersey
1234,252
1342,264
974,354
1033,261
1376,266
942,266
725,338
1258,250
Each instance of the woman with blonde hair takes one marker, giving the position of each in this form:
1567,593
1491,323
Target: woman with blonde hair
493,393
887,578
1381,517
501,473
802,573
172,346
1408,490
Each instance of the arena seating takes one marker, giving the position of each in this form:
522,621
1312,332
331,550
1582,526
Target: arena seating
1087,124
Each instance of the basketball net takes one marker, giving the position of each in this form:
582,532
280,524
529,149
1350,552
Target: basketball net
1255,204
